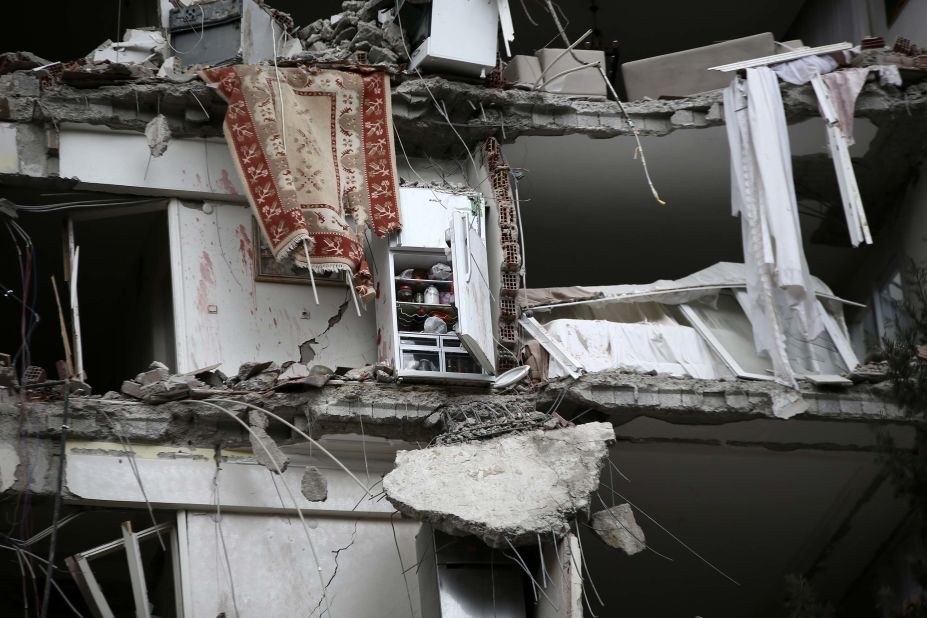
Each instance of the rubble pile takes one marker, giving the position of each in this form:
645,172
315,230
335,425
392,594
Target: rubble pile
157,384
138,57
356,34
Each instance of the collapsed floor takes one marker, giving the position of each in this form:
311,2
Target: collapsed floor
197,425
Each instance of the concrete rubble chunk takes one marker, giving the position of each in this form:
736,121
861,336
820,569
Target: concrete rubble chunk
248,370
380,55
293,371
190,381
151,376
788,403
618,528
260,382
509,488
360,373
265,450
161,392
213,379
313,485
132,389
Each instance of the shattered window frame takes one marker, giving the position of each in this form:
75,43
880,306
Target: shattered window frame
838,339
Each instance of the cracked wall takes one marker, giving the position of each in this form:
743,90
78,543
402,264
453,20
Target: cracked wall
229,318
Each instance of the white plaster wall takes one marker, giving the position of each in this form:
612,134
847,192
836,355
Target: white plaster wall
183,483
273,566
120,161
273,570
212,258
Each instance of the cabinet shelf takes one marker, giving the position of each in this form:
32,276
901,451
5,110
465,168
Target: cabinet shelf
424,283
426,305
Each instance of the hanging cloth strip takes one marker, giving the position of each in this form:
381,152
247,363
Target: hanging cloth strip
312,146
839,132
836,92
779,285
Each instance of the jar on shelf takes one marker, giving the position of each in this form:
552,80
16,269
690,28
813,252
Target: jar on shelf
404,294
431,295
418,298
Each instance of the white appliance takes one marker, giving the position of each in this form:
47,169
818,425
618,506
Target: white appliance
453,36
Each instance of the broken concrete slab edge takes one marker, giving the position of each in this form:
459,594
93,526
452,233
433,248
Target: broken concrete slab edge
521,112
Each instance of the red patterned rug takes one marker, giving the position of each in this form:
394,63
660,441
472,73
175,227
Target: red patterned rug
312,147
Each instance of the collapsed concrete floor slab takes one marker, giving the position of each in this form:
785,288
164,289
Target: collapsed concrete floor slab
504,490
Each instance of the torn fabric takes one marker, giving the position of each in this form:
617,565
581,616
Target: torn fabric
837,92
779,285
705,282
312,147
844,87
667,348
801,70
832,101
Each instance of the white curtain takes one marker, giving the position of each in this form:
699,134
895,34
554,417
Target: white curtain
779,285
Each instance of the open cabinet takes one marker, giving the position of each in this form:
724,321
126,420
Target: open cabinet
433,299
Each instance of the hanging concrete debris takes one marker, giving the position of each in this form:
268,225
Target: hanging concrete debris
511,488
266,451
617,527
314,487
158,133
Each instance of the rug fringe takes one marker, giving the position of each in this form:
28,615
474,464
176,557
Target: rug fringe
296,242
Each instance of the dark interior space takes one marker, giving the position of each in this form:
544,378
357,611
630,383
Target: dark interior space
124,291
93,528
31,333
71,30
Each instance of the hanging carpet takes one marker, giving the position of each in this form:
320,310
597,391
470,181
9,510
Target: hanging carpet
311,148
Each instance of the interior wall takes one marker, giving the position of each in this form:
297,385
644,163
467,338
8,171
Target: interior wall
911,22
228,318
915,229
822,22
757,514
590,219
280,572
46,346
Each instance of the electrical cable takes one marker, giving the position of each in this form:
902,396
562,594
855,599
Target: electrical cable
56,510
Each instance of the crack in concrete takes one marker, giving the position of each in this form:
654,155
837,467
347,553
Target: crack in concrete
306,352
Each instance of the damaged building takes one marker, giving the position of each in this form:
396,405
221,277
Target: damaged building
438,308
